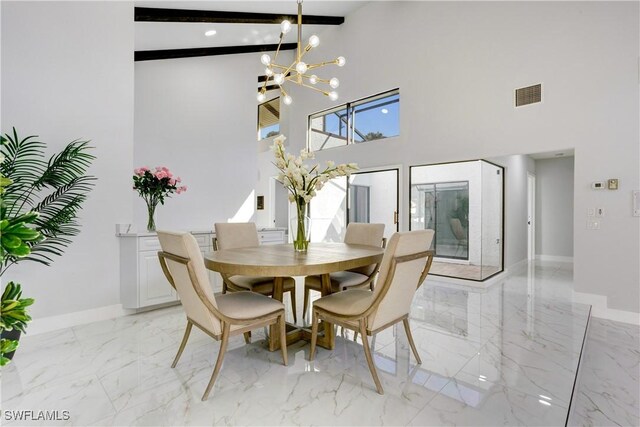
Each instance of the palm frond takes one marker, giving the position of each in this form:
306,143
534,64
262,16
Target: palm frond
71,163
24,163
62,205
56,189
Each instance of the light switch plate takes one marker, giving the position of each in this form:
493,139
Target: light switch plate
593,224
591,211
598,185
613,184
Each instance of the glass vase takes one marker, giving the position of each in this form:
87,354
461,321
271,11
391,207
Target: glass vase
151,210
300,228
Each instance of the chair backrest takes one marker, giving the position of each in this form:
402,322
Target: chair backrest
399,278
360,233
182,254
236,235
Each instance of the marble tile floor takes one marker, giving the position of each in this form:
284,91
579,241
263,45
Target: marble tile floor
608,389
506,355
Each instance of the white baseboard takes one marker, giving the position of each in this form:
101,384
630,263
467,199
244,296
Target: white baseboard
53,323
556,258
600,309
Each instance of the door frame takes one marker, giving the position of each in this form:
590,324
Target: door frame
397,169
531,216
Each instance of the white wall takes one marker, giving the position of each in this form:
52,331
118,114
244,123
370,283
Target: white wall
198,117
457,75
67,73
554,207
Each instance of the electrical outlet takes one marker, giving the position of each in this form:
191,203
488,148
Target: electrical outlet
600,212
593,224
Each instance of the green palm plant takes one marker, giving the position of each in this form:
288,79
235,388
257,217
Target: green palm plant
55,189
39,204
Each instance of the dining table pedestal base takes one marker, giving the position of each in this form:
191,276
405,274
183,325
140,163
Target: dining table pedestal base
297,333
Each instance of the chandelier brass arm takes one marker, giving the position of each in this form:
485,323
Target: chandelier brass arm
296,71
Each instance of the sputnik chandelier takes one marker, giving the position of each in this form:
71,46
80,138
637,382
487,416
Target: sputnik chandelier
298,72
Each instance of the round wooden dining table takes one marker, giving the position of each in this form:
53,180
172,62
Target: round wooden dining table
280,261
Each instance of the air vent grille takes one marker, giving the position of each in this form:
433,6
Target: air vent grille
528,95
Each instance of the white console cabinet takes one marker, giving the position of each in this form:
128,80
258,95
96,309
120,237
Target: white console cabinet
142,282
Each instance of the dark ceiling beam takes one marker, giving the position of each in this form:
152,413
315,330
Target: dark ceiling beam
151,14
150,55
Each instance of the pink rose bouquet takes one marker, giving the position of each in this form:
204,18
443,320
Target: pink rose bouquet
154,186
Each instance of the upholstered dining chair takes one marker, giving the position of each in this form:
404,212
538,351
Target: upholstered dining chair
219,316
245,235
404,266
357,233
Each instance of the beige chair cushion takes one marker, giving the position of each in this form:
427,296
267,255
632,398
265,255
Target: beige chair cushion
247,305
359,233
236,235
347,303
340,280
263,285
185,245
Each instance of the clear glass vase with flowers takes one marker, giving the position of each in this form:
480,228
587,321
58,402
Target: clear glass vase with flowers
302,182
154,186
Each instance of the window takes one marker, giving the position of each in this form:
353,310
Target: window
375,117
269,119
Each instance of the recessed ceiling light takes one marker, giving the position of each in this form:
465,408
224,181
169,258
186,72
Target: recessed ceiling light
384,111
210,33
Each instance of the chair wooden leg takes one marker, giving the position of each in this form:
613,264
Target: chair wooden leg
305,303
283,339
314,335
367,353
405,322
292,295
355,335
183,344
224,287
247,337
216,369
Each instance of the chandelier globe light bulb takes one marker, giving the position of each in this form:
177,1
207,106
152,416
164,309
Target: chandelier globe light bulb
285,26
301,67
296,71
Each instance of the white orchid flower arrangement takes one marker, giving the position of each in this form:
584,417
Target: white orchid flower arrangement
299,179
302,182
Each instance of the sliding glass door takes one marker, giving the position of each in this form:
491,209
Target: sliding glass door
446,210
